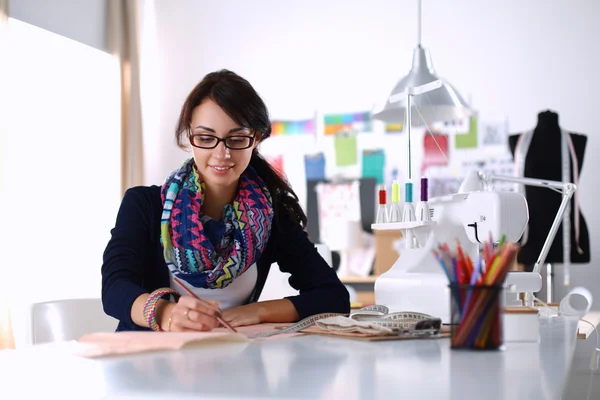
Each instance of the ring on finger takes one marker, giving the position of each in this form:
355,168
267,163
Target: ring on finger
186,314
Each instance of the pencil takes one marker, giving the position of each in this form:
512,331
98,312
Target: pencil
219,318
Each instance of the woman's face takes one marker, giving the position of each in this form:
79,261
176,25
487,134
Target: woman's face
219,166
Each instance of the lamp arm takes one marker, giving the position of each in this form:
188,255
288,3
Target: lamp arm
567,189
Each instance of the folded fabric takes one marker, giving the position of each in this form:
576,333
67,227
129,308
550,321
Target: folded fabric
345,324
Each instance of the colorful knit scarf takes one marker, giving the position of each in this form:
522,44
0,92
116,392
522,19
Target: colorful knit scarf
189,253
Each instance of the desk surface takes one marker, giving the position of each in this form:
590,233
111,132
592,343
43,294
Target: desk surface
304,367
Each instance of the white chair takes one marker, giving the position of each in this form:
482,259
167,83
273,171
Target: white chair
68,320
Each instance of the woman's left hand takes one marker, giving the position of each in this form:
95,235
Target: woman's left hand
249,314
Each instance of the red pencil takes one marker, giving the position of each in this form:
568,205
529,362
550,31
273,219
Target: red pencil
219,318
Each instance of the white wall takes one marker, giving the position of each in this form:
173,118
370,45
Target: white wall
59,169
510,58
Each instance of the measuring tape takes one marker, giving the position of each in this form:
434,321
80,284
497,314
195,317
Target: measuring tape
407,323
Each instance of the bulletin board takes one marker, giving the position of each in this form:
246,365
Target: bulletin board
329,147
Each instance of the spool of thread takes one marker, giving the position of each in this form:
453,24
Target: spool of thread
576,303
408,195
394,213
422,210
395,192
382,195
424,190
382,213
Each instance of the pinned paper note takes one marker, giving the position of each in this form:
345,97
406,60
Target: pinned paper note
373,164
314,165
494,134
345,149
339,214
435,151
394,128
468,140
298,127
359,121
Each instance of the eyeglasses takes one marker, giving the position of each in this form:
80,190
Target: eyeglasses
204,141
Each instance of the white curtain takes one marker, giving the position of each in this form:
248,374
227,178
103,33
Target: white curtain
6,334
124,31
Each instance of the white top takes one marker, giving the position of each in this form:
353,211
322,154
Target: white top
236,294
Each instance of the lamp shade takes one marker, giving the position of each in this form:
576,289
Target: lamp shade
442,104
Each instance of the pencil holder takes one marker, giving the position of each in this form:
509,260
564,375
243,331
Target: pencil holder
476,317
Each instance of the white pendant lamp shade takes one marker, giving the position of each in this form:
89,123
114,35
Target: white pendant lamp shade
442,104
439,105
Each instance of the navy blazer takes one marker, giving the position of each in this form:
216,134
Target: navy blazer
133,262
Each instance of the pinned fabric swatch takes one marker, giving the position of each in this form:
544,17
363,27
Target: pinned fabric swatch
300,127
339,214
334,123
345,149
314,166
468,140
373,164
435,151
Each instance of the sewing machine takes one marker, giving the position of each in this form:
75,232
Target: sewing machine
416,281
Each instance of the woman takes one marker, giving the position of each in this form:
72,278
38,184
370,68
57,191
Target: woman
216,224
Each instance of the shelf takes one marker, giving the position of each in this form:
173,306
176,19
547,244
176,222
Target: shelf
388,226
359,279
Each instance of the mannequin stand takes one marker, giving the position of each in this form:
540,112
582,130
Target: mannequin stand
549,283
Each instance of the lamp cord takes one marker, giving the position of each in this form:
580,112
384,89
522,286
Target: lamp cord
419,24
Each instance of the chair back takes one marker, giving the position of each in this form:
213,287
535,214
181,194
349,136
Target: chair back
68,319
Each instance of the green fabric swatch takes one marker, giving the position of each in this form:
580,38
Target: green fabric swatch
373,164
345,150
468,140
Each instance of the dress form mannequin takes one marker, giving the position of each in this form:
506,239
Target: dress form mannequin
544,161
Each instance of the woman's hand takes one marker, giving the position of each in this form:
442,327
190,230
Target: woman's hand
265,311
249,314
189,314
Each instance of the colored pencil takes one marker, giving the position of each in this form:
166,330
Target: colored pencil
476,288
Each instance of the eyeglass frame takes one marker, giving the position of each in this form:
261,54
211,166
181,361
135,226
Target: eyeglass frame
219,140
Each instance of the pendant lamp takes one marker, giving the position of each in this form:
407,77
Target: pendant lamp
439,105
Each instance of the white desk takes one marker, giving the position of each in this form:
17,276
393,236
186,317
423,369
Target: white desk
306,367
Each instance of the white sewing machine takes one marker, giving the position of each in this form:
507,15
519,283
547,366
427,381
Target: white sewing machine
416,281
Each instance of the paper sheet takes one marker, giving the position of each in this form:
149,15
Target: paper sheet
339,214
359,122
113,343
121,343
468,140
373,164
435,148
494,134
260,328
314,166
345,149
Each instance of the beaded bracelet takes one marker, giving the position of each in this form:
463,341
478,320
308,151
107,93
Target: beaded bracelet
150,306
